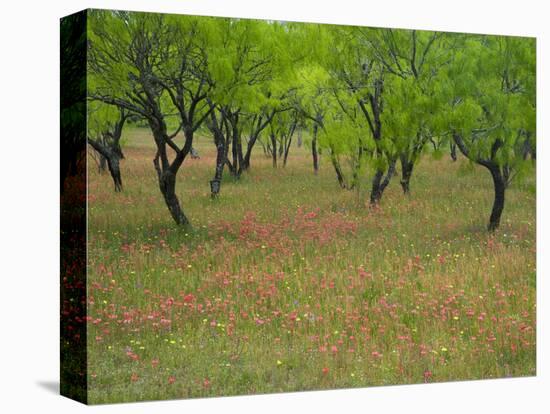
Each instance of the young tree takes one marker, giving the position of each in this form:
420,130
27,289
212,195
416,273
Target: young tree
412,60
281,132
153,65
360,78
313,101
104,135
244,63
492,107
347,138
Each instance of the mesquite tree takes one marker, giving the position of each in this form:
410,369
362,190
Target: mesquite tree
244,63
359,77
313,102
104,135
372,97
281,132
154,65
491,109
412,60
350,146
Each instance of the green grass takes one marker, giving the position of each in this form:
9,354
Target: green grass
288,282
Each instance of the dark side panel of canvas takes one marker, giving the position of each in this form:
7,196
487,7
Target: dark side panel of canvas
73,207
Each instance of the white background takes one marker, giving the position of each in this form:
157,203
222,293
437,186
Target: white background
29,147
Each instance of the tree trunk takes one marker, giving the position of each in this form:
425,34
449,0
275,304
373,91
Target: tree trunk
114,169
453,151
235,166
246,161
113,161
102,163
167,171
216,127
265,148
239,156
338,170
500,179
379,183
406,172
215,184
287,150
375,193
167,184
389,175
498,204
314,153
248,154
274,150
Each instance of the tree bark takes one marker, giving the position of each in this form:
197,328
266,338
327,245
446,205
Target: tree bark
113,162
288,143
498,203
406,173
235,165
248,154
239,156
109,150
375,193
167,171
453,151
167,185
236,168
220,141
246,159
500,180
114,169
338,170
380,182
102,163
215,184
261,122
314,153
274,150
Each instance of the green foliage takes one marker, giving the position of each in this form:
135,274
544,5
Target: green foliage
427,85
100,117
493,97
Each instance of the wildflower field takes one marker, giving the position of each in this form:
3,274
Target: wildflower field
287,282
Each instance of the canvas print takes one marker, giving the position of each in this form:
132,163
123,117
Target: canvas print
258,206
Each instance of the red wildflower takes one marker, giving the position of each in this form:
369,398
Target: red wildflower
132,356
427,375
189,298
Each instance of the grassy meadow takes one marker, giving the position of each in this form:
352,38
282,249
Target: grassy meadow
287,282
